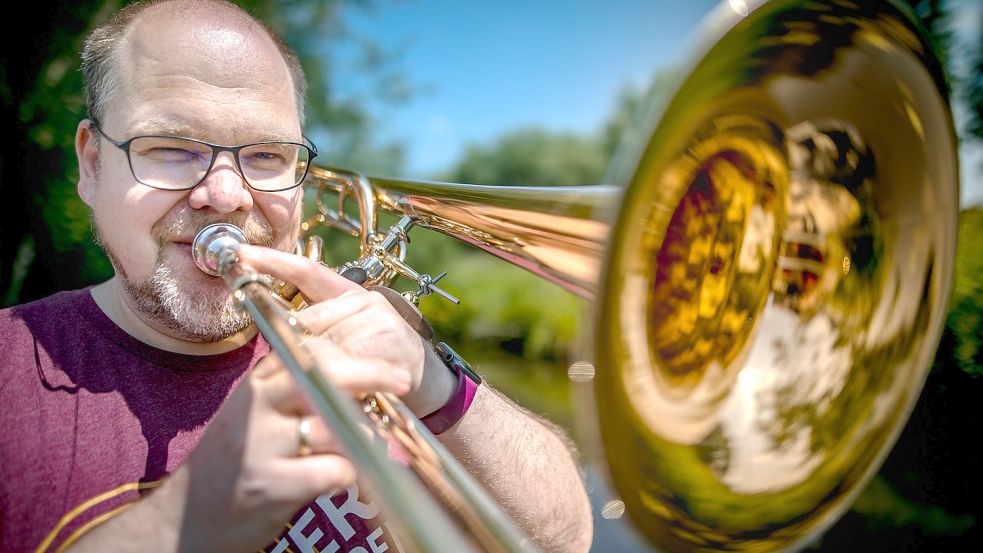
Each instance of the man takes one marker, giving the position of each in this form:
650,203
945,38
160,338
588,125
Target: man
131,421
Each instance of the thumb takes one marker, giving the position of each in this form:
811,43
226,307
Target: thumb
317,282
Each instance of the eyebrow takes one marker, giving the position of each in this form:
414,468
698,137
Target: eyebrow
172,127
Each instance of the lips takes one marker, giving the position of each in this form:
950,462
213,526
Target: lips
181,247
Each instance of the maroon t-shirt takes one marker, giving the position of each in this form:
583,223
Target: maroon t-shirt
92,418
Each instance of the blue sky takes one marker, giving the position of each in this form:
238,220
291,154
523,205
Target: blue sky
483,68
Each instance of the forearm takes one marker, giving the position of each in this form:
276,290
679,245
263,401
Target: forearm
527,466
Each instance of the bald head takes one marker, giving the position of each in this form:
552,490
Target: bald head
211,42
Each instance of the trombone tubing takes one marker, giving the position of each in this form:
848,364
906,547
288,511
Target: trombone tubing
416,516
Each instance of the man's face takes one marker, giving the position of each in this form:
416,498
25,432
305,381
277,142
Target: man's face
217,81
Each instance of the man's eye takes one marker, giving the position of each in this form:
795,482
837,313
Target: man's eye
267,156
174,155
266,160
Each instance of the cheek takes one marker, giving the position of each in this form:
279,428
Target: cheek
125,217
283,213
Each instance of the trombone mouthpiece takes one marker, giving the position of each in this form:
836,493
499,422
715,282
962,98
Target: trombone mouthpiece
215,246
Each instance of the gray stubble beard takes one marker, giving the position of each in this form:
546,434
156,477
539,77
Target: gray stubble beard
208,316
201,317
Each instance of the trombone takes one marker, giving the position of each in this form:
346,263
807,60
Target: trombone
769,265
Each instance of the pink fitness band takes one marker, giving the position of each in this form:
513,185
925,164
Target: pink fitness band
467,385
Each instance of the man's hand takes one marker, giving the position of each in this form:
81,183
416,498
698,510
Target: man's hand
362,323
247,474
247,477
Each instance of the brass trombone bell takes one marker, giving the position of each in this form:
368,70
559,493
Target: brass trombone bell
770,265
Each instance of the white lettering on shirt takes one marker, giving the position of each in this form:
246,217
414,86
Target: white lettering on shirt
306,536
351,505
372,540
306,542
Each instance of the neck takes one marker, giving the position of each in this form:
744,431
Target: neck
111,298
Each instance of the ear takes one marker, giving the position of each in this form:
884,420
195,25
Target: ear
86,150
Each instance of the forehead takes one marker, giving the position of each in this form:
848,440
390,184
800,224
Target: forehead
211,74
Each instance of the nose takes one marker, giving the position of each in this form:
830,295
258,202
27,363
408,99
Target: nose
223,189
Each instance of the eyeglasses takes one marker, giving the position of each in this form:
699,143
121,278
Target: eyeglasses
176,163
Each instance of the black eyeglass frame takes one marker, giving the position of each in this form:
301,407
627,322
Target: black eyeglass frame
216,149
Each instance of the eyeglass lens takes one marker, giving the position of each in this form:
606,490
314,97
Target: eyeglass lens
177,163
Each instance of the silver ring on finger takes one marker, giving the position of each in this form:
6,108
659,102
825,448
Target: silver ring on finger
304,437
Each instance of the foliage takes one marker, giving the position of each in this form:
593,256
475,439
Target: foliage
44,227
342,93
935,16
503,304
974,89
885,508
533,157
539,157
965,319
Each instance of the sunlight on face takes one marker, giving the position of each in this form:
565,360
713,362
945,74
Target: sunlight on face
231,91
191,306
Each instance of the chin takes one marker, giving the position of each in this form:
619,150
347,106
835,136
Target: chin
177,297
191,305
202,311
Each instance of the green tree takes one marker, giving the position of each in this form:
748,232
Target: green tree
935,15
974,89
965,319
41,103
341,92
532,157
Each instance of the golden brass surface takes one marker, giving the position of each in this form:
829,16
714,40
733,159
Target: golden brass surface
771,263
557,232
777,277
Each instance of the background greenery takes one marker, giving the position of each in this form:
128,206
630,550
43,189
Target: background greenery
924,498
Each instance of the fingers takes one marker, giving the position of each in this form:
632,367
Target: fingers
360,375
363,323
274,383
355,375
315,281
321,317
305,477
309,435
352,317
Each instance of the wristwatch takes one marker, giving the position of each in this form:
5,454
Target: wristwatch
467,385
